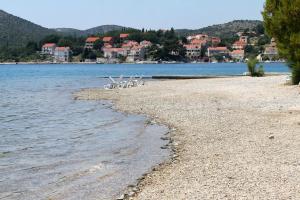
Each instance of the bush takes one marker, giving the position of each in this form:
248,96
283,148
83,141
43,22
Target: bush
254,72
295,73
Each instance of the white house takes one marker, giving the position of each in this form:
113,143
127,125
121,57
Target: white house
193,52
213,51
137,53
62,54
48,48
238,54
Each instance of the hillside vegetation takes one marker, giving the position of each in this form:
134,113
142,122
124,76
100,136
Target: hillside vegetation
223,30
17,32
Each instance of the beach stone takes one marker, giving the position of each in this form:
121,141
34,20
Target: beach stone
122,197
165,138
131,194
271,137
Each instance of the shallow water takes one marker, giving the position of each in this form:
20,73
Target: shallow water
53,147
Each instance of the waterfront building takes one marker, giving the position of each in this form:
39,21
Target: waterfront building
213,51
114,52
193,52
90,41
48,48
62,54
241,43
137,53
124,36
271,50
237,54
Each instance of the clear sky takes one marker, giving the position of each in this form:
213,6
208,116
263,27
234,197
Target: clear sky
155,14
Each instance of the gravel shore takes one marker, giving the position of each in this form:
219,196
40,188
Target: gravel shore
236,138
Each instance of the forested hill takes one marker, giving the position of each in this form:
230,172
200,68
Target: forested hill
97,30
224,30
17,32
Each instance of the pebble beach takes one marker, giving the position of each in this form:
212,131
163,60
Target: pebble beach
233,138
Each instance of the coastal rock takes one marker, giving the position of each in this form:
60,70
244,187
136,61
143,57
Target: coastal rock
131,194
271,137
165,138
122,197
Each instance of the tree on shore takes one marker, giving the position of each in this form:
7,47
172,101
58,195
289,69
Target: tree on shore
281,20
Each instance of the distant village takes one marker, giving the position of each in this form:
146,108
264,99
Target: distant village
198,48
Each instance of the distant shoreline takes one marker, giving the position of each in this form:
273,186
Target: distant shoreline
145,63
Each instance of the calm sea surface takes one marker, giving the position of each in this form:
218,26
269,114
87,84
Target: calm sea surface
53,147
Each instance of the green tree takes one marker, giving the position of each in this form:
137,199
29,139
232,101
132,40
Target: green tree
50,39
281,20
98,45
65,42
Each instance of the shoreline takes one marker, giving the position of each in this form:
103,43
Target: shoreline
136,63
133,189
160,182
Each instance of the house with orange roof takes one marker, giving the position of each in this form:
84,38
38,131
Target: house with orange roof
90,41
129,44
108,40
106,45
124,36
237,54
48,48
271,50
198,42
198,37
62,54
241,43
193,52
213,51
111,53
137,53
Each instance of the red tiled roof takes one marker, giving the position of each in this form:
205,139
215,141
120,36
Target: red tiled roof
62,48
114,49
92,39
191,46
130,44
124,35
107,39
218,48
49,45
240,43
198,42
237,52
107,45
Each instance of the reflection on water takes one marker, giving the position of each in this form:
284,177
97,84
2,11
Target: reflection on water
53,147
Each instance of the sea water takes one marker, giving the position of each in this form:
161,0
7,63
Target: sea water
54,147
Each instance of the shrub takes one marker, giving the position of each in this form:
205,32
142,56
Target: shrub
254,72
